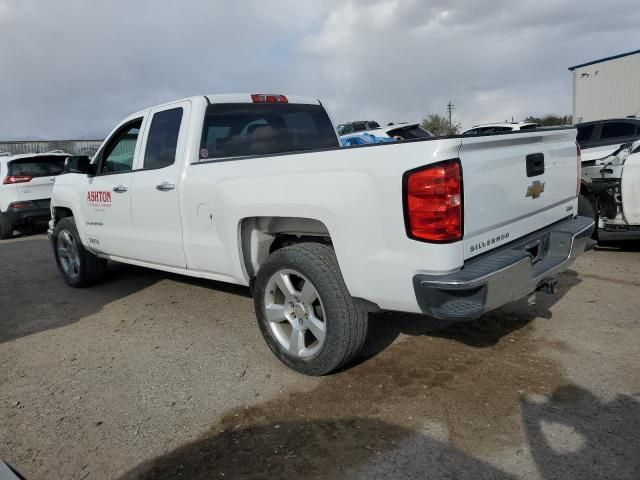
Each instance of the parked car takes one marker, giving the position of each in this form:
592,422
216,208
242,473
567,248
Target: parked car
395,132
603,133
364,138
323,235
504,127
610,192
25,192
354,127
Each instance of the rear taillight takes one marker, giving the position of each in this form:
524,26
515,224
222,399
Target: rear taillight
579,162
10,179
268,98
433,202
19,205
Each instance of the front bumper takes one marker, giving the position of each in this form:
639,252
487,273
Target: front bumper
505,274
22,212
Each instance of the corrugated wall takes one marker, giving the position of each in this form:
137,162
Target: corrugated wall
74,147
608,89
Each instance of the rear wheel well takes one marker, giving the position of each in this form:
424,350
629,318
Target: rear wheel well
261,236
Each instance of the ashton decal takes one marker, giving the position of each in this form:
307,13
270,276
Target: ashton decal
99,199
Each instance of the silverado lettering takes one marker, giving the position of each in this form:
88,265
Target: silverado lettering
489,242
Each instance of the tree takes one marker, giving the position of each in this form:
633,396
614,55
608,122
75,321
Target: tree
551,120
439,125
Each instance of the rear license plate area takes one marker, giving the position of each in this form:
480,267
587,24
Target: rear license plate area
537,247
535,250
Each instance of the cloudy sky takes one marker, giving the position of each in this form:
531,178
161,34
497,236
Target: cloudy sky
72,69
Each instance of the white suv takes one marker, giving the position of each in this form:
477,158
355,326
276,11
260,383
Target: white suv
25,191
500,128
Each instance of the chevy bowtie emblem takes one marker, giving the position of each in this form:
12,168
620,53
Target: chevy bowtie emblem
535,189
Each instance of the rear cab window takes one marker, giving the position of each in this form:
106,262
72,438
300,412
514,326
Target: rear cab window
247,129
41,166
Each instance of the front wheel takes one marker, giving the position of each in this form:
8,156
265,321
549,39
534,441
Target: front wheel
305,312
78,267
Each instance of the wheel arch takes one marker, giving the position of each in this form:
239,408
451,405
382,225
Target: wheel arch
59,213
261,236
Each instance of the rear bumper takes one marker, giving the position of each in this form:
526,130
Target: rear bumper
504,275
28,211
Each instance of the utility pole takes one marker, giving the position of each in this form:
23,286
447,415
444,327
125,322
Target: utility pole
450,107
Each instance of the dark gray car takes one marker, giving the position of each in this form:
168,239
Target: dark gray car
614,131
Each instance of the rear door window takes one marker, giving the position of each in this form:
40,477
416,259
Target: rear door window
163,139
245,129
43,166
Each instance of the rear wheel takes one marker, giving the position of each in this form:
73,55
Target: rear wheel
305,312
6,229
79,267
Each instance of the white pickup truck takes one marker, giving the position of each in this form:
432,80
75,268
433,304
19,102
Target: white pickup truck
255,190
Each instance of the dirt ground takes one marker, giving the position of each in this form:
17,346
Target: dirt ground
150,375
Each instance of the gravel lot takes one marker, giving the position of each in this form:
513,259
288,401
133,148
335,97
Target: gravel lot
150,375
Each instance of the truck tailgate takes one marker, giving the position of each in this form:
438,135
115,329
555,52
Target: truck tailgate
515,184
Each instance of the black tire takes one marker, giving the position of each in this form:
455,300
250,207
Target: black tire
90,270
586,208
6,229
345,323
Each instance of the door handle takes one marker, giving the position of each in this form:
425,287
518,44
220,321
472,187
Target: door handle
165,186
120,188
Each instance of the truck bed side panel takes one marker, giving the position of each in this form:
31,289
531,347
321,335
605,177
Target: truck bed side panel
356,193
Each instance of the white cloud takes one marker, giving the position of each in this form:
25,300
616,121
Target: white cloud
74,68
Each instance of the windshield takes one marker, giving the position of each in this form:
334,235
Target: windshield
242,129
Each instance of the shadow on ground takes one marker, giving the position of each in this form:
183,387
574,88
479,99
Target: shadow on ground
30,230
34,297
315,449
576,435
356,447
384,328
430,406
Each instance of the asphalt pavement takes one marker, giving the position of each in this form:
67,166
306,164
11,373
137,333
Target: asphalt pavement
152,375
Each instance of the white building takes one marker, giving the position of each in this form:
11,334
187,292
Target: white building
607,88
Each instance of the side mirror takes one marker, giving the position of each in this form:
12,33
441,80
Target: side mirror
79,164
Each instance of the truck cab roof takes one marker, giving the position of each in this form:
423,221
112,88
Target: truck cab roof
220,98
